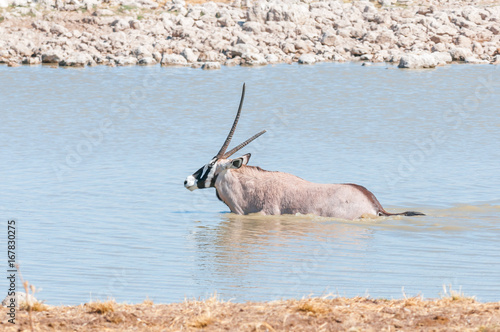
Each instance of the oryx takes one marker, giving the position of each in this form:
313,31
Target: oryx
250,189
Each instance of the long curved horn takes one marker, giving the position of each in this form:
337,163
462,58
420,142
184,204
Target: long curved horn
239,147
231,132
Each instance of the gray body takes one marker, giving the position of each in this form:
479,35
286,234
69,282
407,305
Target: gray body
248,189
253,190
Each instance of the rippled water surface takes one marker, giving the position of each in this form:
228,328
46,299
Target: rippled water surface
92,164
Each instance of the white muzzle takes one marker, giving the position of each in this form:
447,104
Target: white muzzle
190,183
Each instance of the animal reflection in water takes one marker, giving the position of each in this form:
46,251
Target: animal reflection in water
250,189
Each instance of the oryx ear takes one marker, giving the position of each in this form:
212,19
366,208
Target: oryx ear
238,162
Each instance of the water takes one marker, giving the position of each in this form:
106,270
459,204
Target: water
93,162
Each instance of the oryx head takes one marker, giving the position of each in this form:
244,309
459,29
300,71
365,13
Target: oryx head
206,176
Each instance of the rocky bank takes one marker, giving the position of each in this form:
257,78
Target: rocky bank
412,34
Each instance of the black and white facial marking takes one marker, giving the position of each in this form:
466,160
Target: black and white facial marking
202,178
206,176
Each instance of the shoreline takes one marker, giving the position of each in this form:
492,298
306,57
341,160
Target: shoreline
199,34
453,313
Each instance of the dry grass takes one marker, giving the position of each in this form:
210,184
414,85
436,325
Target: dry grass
311,314
147,301
449,293
37,306
202,321
99,307
313,306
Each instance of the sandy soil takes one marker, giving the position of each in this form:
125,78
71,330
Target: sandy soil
454,313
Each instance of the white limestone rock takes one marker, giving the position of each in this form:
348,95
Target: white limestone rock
418,61
147,61
120,24
126,61
240,49
173,60
141,52
272,58
189,55
52,56
32,60
78,59
475,60
211,65
253,59
307,59
58,29
460,53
